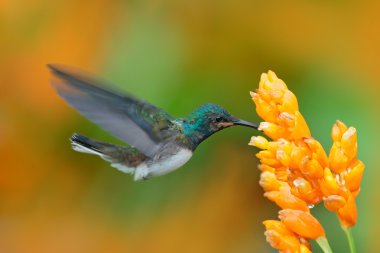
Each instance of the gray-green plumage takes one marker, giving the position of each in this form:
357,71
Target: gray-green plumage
159,143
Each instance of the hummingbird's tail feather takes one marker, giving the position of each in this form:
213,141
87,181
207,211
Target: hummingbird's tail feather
123,158
83,144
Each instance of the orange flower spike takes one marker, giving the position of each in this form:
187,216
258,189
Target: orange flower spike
354,176
273,131
302,223
300,127
348,213
285,199
279,237
269,182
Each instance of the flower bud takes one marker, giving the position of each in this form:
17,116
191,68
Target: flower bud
328,184
301,223
264,109
311,168
269,182
300,127
334,202
338,161
348,213
273,131
354,176
337,130
289,103
285,199
259,141
349,143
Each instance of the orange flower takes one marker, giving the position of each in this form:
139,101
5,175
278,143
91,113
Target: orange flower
296,172
285,199
281,238
348,214
281,235
269,181
353,176
301,223
278,106
334,202
328,184
290,163
341,185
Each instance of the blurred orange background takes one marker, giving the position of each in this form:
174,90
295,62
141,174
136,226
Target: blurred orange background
178,55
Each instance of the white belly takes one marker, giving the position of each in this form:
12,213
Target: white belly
158,168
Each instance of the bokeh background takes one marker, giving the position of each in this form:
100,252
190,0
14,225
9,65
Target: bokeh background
178,55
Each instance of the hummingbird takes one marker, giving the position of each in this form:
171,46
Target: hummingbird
158,143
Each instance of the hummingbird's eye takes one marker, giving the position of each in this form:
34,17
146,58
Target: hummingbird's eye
219,119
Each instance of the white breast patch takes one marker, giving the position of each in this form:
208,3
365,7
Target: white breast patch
164,166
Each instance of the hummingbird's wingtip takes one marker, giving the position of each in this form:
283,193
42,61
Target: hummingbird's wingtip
54,67
64,71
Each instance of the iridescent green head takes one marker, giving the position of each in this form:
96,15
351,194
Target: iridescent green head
207,120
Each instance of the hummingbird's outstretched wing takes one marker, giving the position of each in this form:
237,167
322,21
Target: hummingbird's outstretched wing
131,120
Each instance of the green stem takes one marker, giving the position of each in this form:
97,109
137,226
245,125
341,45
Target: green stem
324,244
350,239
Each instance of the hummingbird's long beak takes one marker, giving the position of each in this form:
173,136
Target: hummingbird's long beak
241,122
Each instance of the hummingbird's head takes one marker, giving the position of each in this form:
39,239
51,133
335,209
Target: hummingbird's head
208,119
217,118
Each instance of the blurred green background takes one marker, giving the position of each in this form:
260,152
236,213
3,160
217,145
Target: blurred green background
178,55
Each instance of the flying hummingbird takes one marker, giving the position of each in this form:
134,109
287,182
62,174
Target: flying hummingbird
159,143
